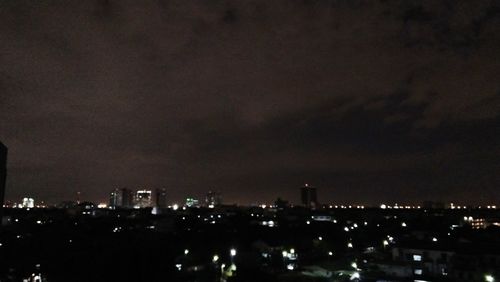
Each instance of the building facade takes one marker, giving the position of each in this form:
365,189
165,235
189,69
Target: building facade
308,196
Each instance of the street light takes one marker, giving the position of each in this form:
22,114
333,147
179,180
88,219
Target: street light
233,252
215,258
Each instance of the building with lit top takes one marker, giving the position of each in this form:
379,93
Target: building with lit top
308,196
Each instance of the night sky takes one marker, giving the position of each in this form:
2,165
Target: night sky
370,101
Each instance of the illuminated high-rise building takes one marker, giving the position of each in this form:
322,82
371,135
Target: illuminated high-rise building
143,199
122,198
161,198
3,176
308,196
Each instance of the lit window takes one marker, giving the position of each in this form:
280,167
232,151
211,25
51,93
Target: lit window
417,258
418,271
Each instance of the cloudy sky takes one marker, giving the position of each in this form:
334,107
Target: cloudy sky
370,101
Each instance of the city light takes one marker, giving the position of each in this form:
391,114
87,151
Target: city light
186,251
233,252
215,258
175,207
330,253
489,278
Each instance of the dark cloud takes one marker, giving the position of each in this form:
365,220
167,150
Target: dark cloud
371,101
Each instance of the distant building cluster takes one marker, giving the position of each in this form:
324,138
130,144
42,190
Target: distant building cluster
144,198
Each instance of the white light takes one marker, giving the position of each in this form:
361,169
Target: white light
290,267
330,253
284,253
215,258
320,238
179,266
434,239
355,275
489,278
186,251
292,251
175,207
403,224
417,258
346,229
233,252
386,243
354,265
349,245
308,222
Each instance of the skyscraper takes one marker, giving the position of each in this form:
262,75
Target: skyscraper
3,176
308,196
161,198
121,198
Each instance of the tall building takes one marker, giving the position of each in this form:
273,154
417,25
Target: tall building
143,199
121,198
213,199
161,198
3,176
308,196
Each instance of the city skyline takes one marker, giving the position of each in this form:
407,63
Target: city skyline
371,103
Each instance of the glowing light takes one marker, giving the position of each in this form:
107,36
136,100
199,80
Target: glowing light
330,253
349,245
308,222
215,258
284,253
320,238
354,265
175,207
290,267
233,252
292,251
178,266
386,243
489,278
434,239
355,275
186,251
403,224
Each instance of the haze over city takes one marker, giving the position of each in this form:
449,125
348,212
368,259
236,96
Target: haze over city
369,101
